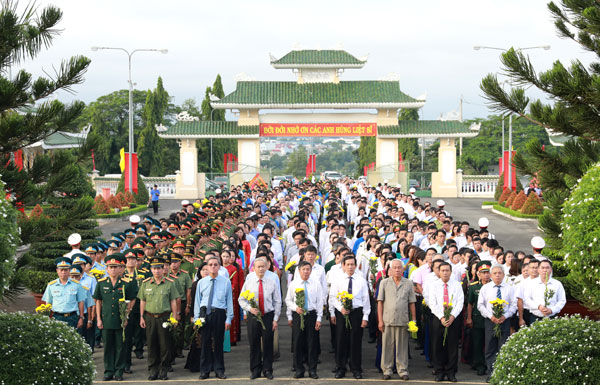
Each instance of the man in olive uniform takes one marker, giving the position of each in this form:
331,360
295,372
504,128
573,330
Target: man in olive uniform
66,295
186,284
109,291
157,297
133,331
475,319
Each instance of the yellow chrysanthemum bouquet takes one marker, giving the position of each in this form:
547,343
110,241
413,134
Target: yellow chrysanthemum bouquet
345,299
250,297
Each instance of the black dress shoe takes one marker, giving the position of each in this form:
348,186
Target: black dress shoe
404,378
314,375
221,376
358,375
179,355
481,372
118,378
386,377
268,374
439,378
163,376
340,374
293,369
139,356
204,376
127,370
170,369
153,377
452,378
299,375
108,377
254,375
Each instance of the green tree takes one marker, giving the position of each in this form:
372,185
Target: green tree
297,162
409,147
573,111
366,152
151,148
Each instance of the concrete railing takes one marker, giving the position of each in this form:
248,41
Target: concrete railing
108,183
476,186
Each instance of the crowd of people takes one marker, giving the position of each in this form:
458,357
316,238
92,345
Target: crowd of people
355,257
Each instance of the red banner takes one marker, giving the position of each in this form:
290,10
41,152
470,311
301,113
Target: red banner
134,171
318,129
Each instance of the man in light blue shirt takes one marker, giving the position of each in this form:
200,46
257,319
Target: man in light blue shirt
66,296
214,303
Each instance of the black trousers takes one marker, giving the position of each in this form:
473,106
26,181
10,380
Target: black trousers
256,332
213,333
155,206
444,358
349,341
493,343
420,323
305,341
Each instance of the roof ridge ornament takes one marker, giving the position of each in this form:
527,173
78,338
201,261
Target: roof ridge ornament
391,77
184,116
272,57
160,128
450,116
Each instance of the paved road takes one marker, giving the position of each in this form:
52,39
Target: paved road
512,235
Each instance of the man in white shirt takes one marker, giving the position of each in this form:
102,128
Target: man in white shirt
544,296
530,272
349,337
496,289
305,339
445,291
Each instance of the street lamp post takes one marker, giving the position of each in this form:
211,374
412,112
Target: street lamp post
131,144
477,48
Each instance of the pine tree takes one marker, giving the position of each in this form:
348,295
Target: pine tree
573,112
409,147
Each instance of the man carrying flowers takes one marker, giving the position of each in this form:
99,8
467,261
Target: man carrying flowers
396,296
349,334
266,295
110,292
496,303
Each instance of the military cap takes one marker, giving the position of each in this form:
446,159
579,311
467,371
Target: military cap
80,258
178,243
140,228
150,244
157,261
92,248
173,225
62,263
76,270
483,266
129,232
114,243
175,257
155,236
115,259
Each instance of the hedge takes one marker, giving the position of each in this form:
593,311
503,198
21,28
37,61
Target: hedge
513,212
123,213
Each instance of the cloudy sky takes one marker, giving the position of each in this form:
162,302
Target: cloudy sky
428,44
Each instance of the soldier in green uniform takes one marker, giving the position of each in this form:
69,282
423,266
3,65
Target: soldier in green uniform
109,291
157,297
474,318
184,311
133,331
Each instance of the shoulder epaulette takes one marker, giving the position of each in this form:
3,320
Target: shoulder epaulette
147,279
102,279
169,279
473,283
143,269
125,279
85,287
74,280
184,271
172,275
53,282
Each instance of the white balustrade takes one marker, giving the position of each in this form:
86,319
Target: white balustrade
479,186
166,185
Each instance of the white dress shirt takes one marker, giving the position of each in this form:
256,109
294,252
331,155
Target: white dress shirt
489,293
317,275
436,298
534,296
360,293
428,282
314,297
271,295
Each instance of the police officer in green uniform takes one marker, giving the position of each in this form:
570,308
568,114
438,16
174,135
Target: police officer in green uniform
109,291
66,295
133,331
184,311
474,318
157,297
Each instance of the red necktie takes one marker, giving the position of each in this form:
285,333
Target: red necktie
261,297
446,299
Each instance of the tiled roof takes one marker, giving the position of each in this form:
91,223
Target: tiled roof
431,128
347,94
312,58
207,129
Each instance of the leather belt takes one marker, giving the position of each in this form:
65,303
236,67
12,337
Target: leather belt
157,315
65,314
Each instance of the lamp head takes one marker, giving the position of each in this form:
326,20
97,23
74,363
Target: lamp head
95,48
477,47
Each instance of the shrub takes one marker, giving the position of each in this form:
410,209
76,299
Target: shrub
113,202
9,240
552,351
142,196
122,200
129,198
36,281
533,205
505,194
580,234
100,205
40,350
519,201
510,199
499,188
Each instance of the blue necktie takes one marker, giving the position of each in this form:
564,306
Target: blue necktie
305,297
210,296
499,293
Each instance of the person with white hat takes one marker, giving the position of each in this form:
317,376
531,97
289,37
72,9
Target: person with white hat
134,220
440,204
483,225
412,192
538,244
74,241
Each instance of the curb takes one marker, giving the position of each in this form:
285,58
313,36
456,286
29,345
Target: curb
510,216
